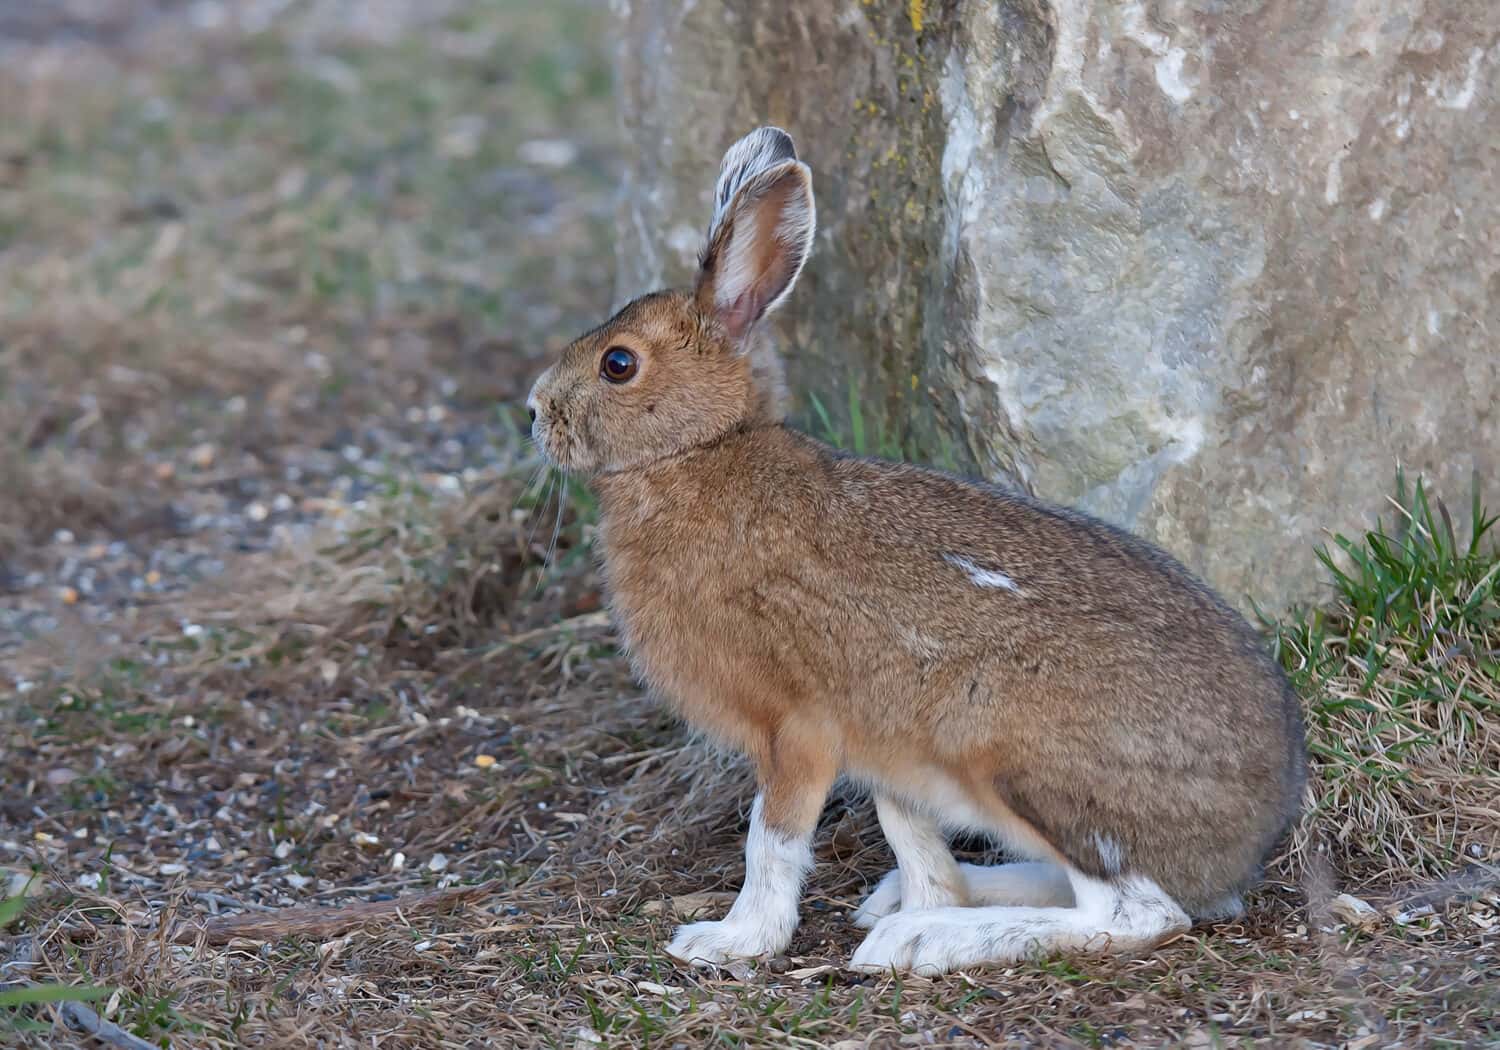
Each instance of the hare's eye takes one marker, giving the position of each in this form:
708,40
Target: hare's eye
618,364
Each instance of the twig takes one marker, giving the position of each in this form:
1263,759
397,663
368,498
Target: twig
585,622
228,902
81,1019
322,923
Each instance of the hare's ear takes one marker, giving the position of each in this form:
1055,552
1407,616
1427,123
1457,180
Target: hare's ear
762,230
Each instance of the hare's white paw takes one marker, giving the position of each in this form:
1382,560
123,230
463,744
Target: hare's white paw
884,899
715,943
920,942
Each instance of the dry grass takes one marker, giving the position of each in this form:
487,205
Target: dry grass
271,782
362,766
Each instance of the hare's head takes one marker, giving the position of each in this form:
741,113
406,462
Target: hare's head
676,370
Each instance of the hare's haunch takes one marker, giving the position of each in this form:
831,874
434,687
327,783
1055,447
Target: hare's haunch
979,659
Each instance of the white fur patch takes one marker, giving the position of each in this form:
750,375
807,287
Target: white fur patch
1121,916
1111,856
980,576
737,272
764,915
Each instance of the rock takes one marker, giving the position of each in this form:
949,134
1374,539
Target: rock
1208,272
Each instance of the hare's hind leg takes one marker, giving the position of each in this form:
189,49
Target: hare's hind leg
1030,884
1127,914
925,875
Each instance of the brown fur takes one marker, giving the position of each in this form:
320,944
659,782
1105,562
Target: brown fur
803,605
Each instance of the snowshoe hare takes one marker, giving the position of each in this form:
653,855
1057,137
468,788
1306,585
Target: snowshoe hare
980,660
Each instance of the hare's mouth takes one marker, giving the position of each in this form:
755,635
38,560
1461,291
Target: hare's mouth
547,442
557,447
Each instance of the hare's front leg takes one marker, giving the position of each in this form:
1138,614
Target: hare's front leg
925,876
778,854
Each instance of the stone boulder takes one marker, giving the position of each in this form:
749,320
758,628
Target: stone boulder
1209,271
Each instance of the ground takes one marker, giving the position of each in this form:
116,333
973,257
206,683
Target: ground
315,734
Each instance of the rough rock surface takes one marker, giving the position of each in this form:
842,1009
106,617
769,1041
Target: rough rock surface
1208,270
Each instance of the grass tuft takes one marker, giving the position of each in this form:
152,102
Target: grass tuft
1401,675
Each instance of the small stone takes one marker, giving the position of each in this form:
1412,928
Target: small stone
547,153
1306,1015
439,862
295,881
365,839
484,761
257,511
283,849
328,670
64,537
398,861
203,456
60,776
172,869
165,471
152,578
68,595
1350,909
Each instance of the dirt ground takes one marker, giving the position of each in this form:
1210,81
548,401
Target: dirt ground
315,734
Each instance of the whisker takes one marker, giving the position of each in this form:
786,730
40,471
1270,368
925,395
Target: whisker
540,511
531,483
562,502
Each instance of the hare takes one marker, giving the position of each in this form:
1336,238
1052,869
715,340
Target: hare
978,659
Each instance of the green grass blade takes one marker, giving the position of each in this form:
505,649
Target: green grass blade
53,993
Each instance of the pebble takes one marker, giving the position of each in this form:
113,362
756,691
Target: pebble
1350,909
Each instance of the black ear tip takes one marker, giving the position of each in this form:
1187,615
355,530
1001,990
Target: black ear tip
785,148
